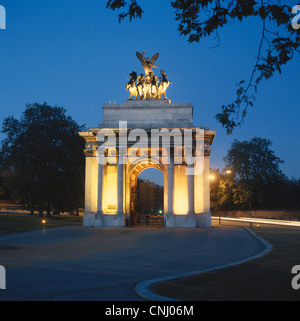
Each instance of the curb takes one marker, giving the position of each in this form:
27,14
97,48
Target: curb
142,288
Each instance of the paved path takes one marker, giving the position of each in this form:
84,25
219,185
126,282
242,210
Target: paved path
78,263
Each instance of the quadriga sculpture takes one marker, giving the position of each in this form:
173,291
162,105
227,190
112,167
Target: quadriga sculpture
131,86
147,86
163,86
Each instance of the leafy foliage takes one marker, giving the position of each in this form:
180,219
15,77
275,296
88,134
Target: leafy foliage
202,18
42,159
150,197
253,160
254,165
255,180
134,10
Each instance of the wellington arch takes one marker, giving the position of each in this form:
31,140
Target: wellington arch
147,131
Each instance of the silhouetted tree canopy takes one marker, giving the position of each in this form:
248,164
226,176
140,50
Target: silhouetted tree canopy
253,160
42,159
150,197
198,19
255,180
255,166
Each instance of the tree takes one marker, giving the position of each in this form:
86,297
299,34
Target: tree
150,197
290,194
3,194
198,19
42,159
225,192
256,169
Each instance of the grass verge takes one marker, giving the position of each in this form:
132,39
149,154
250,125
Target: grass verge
11,223
264,279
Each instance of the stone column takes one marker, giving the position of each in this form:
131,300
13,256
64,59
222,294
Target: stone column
191,189
88,217
171,186
88,181
206,183
120,184
100,189
204,218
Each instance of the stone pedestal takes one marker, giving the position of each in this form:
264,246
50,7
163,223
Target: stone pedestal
110,220
203,220
148,114
180,220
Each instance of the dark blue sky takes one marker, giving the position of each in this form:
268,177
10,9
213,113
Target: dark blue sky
75,54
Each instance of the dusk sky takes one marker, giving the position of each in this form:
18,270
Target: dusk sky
75,54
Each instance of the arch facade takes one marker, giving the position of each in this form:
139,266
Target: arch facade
108,185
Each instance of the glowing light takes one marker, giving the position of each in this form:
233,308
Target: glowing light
180,190
43,221
212,177
110,190
228,171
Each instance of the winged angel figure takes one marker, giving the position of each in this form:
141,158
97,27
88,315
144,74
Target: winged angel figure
147,64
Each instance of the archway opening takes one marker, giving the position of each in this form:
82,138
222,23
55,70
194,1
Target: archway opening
148,207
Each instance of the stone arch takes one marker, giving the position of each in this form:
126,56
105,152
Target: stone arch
134,171
141,164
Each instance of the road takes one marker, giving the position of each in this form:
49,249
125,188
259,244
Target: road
78,263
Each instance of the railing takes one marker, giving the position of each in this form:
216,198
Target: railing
148,219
